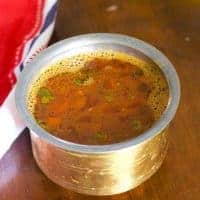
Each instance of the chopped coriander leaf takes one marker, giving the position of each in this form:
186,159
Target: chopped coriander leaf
41,123
43,91
100,136
46,99
82,79
136,124
45,95
131,96
109,97
78,81
137,73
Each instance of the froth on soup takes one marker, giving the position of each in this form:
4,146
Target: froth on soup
98,98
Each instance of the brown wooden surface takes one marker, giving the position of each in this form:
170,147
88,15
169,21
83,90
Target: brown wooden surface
173,27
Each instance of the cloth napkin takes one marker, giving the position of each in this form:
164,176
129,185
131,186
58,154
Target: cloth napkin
25,29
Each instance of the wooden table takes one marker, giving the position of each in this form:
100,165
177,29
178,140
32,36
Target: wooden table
174,28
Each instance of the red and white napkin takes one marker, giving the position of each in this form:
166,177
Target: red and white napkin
25,29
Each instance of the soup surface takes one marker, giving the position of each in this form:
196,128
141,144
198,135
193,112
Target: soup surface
98,97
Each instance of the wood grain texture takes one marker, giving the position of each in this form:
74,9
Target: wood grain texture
174,28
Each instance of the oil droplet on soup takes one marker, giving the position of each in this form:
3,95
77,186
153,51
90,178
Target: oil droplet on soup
95,99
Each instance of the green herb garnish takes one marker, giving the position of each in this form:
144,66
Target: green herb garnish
81,79
131,96
101,136
136,124
137,73
41,123
45,95
109,97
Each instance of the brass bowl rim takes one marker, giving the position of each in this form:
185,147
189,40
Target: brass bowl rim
94,38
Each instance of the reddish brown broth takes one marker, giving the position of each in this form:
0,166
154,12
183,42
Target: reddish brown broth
104,102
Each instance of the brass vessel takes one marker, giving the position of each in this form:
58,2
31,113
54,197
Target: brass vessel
99,169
